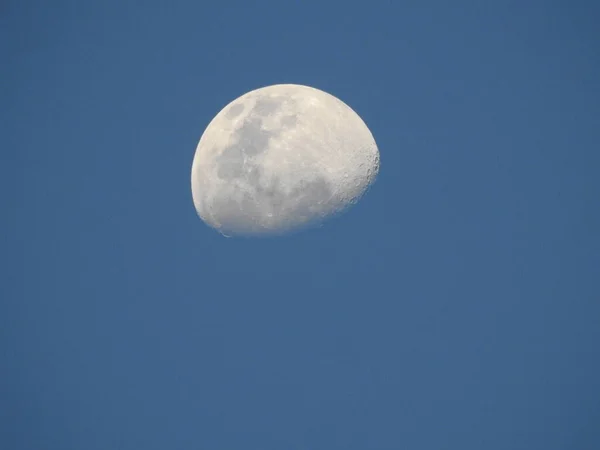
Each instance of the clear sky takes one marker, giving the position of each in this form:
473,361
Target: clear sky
457,306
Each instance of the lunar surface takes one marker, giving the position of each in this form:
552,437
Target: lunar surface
279,159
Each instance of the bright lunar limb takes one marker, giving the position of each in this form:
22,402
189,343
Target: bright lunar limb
281,158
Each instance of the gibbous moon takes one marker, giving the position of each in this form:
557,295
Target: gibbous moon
279,159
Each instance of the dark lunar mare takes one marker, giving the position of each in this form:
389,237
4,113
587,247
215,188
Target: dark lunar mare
236,162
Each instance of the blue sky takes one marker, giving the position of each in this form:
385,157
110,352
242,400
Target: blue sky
455,307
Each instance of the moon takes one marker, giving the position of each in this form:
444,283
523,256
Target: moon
279,159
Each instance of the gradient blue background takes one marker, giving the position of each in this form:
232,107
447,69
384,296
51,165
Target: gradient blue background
457,306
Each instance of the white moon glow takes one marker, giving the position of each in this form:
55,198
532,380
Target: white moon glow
281,158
